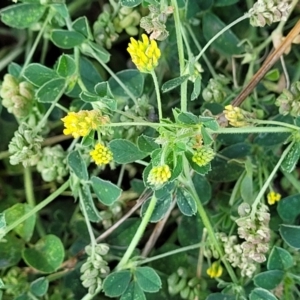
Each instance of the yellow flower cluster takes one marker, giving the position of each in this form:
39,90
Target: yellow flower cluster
144,54
203,156
82,122
159,175
101,155
273,197
215,270
236,116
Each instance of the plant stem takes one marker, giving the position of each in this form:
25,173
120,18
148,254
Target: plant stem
18,49
183,86
160,256
31,199
268,181
37,208
246,16
158,98
36,42
138,234
116,78
294,181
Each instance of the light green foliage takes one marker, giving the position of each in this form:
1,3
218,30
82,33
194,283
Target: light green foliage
179,181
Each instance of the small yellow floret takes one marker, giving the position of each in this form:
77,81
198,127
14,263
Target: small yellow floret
101,155
144,54
273,197
215,270
159,175
236,116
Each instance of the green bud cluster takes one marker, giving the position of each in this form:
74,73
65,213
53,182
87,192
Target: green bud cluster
52,164
95,268
269,11
110,24
215,91
113,213
154,23
18,97
180,283
15,282
25,146
289,100
203,156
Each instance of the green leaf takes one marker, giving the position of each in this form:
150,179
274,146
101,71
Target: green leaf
88,97
177,169
203,188
46,255
279,259
81,25
116,283
211,124
14,69
173,83
291,235
39,287
61,8
227,43
78,165
269,279
188,118
123,235
132,79
66,39
161,207
22,15
106,97
38,74
66,66
290,161
147,279
88,202
51,90
185,202
247,189
225,2
15,212
131,3
10,251
272,75
125,151
190,230
146,143
2,222
261,294
106,191
207,138
133,292
289,208
96,51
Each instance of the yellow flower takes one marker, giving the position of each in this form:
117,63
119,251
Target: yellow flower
203,156
101,155
159,175
273,197
82,122
236,116
215,270
144,54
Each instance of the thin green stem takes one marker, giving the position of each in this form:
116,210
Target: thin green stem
29,192
138,234
158,98
246,16
268,181
37,208
36,42
90,297
293,180
206,60
173,252
183,87
13,54
116,78
88,224
210,230
270,122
